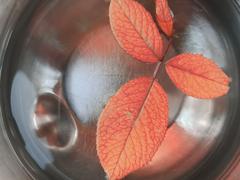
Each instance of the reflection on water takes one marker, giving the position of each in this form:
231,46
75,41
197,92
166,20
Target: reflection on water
21,103
71,65
54,123
195,116
96,71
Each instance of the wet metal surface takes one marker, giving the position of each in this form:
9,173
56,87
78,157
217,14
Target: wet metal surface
67,70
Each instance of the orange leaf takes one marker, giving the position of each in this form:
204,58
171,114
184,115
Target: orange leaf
135,30
132,127
198,76
164,17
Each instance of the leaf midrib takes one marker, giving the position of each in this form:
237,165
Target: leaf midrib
133,123
195,74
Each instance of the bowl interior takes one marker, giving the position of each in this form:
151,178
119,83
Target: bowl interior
67,66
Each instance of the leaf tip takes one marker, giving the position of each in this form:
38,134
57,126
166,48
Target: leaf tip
198,76
164,17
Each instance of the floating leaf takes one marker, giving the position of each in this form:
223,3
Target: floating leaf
164,17
135,30
198,76
132,127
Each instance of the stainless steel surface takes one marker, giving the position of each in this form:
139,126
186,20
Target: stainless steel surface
67,66
9,168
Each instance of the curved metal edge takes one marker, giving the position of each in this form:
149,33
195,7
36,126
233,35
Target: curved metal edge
235,163
236,4
225,165
18,16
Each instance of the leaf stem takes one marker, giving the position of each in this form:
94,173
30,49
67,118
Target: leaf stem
148,91
162,59
157,69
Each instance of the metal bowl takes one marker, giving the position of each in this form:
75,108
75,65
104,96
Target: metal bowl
61,64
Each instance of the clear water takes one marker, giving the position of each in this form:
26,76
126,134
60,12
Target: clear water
71,64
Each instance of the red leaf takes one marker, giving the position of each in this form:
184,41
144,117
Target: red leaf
164,17
135,30
198,76
132,127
